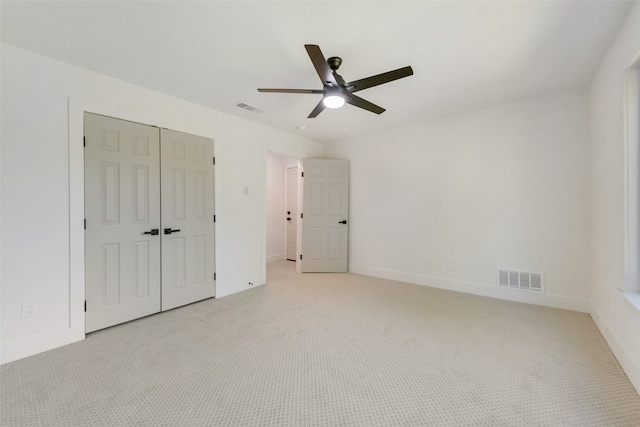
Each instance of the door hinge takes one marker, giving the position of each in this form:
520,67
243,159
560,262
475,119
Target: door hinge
214,218
85,306
214,276
300,256
301,215
85,223
302,174
214,160
84,141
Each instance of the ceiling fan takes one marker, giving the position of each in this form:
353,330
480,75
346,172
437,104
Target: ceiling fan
335,92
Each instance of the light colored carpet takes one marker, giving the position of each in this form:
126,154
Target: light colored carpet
330,349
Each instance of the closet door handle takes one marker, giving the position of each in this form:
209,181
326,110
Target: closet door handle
153,232
344,221
169,231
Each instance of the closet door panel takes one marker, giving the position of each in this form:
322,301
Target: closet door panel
187,219
122,206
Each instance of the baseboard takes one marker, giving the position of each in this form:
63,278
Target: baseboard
483,289
237,286
630,365
37,344
272,258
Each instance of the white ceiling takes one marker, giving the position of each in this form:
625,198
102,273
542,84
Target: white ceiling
465,55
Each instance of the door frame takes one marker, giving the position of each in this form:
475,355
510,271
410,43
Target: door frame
285,203
292,154
77,108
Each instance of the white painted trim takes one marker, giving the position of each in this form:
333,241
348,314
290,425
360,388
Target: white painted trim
266,148
290,164
632,297
631,107
630,365
299,220
483,289
240,286
273,258
285,200
37,344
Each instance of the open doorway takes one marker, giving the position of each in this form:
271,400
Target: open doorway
283,208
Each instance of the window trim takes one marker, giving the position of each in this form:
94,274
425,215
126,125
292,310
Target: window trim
631,103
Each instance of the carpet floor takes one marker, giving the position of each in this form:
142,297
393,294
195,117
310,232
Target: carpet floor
330,349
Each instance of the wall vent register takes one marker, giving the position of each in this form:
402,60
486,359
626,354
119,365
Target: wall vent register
248,107
521,280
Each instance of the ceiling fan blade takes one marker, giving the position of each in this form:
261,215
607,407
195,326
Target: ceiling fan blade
379,79
317,110
320,63
364,104
291,90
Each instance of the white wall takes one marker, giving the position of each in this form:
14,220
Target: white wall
42,190
512,186
618,320
498,187
275,207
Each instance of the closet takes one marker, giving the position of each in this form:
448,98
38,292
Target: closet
149,220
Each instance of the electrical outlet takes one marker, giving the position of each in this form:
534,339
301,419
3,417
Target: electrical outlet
29,309
451,266
427,261
237,266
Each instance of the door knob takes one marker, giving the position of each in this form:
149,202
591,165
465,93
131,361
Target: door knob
344,221
169,231
153,232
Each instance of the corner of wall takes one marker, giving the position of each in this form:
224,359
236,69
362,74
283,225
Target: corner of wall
609,208
630,365
481,289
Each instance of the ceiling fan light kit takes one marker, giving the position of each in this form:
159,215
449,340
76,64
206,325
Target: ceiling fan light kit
333,101
335,91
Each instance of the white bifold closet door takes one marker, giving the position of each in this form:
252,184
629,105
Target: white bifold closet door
140,183
122,200
187,218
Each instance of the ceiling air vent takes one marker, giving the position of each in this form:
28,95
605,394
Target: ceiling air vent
249,107
521,280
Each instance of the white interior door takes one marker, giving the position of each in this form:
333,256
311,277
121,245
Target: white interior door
187,219
122,199
325,206
292,212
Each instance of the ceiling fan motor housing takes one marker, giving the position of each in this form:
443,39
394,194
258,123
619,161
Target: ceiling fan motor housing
334,62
